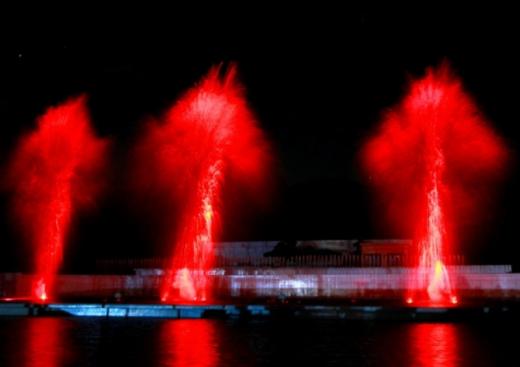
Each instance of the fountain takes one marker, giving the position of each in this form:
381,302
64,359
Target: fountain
54,171
208,139
429,158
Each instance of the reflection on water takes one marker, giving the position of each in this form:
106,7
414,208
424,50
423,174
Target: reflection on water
190,343
44,340
77,342
434,345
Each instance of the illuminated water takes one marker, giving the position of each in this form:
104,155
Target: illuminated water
206,144
55,170
430,151
50,342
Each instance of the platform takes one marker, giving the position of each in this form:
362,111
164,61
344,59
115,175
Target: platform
364,312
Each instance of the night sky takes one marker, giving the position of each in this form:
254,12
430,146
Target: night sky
318,80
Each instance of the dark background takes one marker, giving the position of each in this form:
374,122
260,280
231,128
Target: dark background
318,79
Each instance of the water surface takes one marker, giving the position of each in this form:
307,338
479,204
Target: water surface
50,342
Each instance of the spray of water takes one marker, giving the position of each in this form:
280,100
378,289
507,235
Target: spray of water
431,158
56,169
207,142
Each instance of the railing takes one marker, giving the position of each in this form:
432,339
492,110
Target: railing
334,260
369,260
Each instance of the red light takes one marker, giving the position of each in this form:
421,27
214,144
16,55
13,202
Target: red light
206,143
432,344
188,343
409,300
54,170
428,151
454,300
45,343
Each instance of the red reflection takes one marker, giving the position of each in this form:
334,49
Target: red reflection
189,343
45,343
433,345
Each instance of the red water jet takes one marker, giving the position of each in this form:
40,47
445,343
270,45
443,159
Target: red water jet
208,141
55,170
430,157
